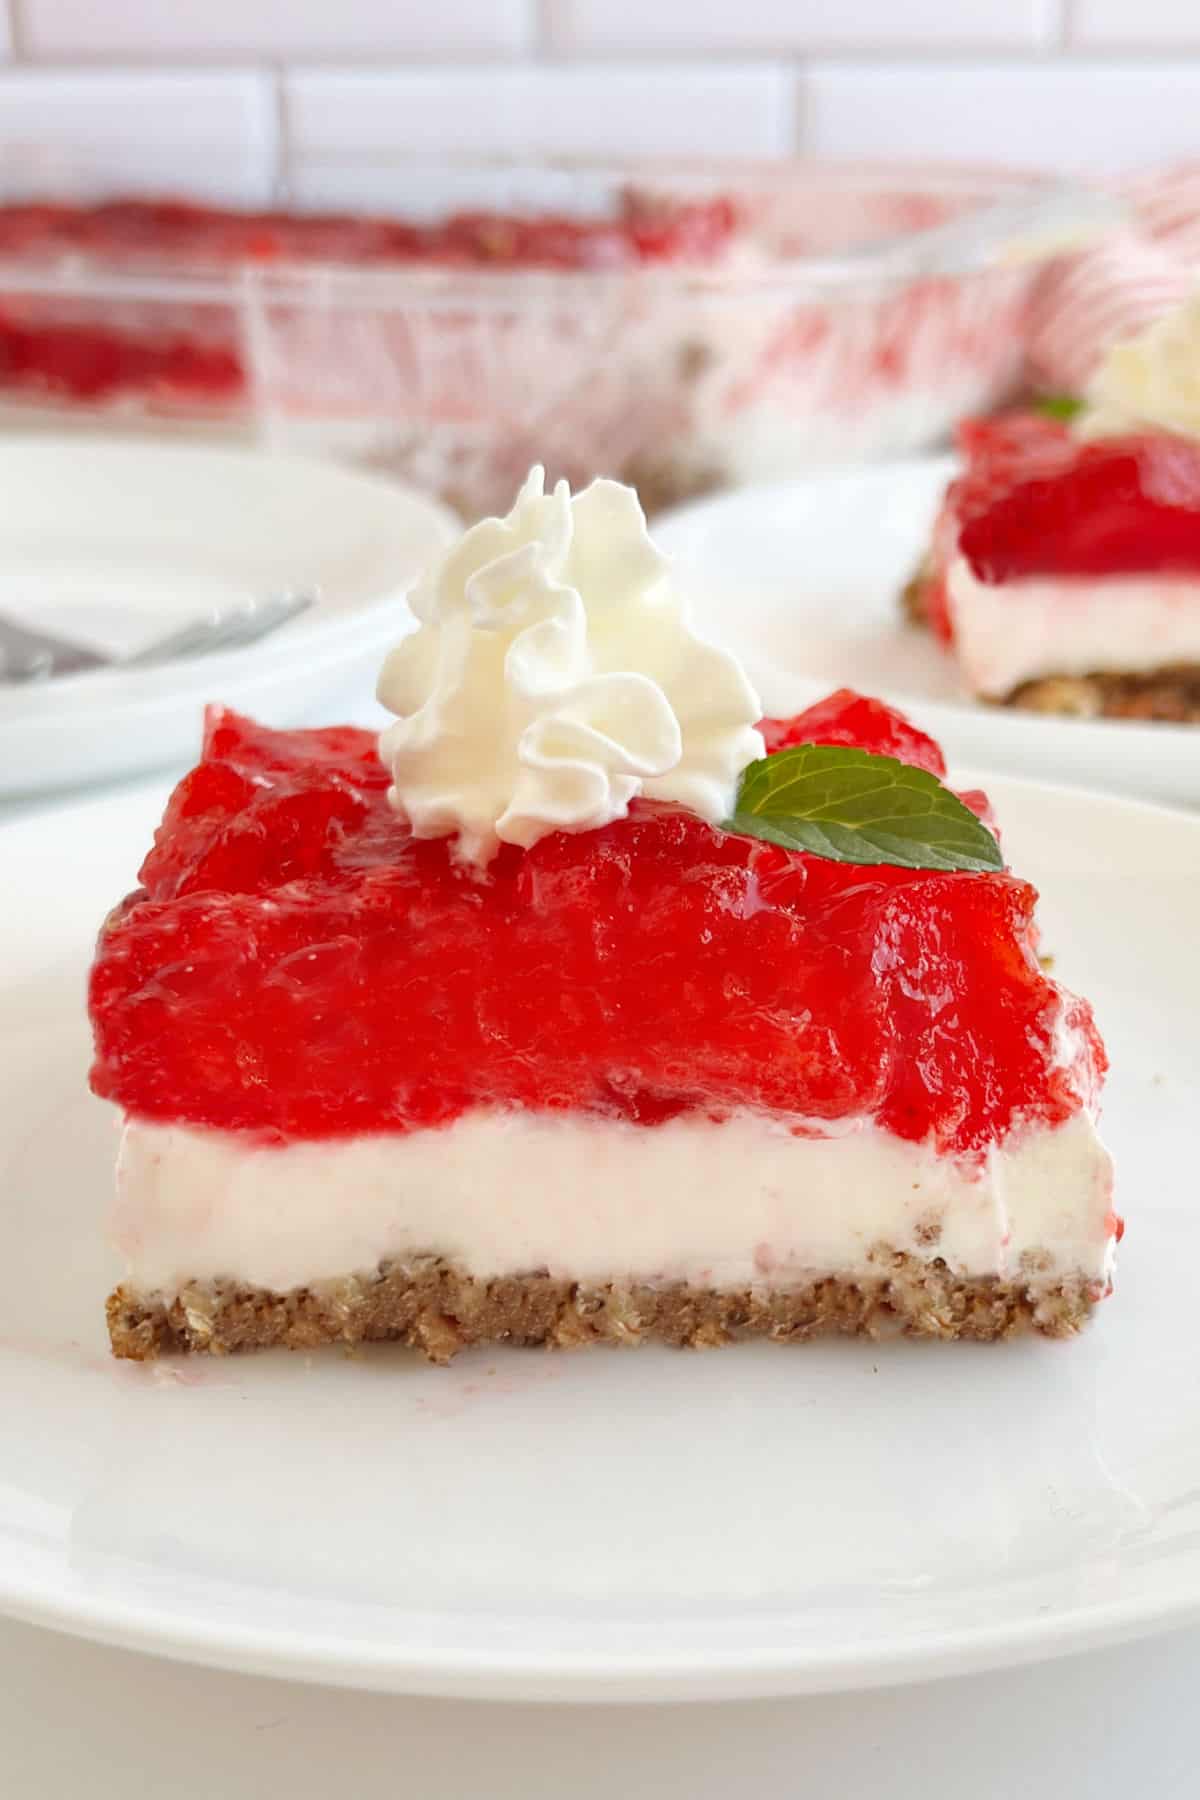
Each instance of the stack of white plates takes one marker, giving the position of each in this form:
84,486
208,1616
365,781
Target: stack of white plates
113,545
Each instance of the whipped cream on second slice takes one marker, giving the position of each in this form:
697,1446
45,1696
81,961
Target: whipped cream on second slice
553,677
1151,381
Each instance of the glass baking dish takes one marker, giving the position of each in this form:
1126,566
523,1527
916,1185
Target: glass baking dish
684,328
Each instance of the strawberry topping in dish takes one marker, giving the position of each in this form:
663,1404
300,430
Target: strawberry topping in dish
189,354
176,231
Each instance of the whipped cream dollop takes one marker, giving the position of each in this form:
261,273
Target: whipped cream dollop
553,677
1149,381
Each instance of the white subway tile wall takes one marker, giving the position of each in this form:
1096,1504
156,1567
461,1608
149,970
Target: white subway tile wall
275,28
1072,116
213,130
591,111
633,26
231,94
1163,24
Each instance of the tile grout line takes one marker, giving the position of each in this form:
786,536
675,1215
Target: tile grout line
18,36
282,173
1065,55
544,48
800,105
1064,40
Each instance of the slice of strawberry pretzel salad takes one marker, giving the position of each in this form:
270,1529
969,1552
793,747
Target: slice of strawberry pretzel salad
1064,567
587,1005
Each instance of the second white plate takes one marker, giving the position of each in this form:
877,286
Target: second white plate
803,580
115,544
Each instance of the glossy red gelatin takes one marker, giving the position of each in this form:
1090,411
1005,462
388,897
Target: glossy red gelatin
1117,506
996,452
298,966
856,720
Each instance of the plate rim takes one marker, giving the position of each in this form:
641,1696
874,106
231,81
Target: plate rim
400,497
328,1659
114,724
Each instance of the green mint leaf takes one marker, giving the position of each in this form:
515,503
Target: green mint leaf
852,806
1059,406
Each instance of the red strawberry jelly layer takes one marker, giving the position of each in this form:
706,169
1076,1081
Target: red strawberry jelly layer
996,452
296,965
855,720
1118,506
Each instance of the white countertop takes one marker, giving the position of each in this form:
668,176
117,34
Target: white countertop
76,1719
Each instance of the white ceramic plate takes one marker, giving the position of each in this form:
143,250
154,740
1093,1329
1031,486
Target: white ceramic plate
803,580
608,1525
117,543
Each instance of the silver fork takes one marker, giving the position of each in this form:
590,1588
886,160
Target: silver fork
28,655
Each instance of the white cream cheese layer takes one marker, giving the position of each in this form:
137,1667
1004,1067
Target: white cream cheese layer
1015,631
721,1204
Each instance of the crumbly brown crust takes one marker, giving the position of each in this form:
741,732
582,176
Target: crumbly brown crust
439,1310
1170,695
914,595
